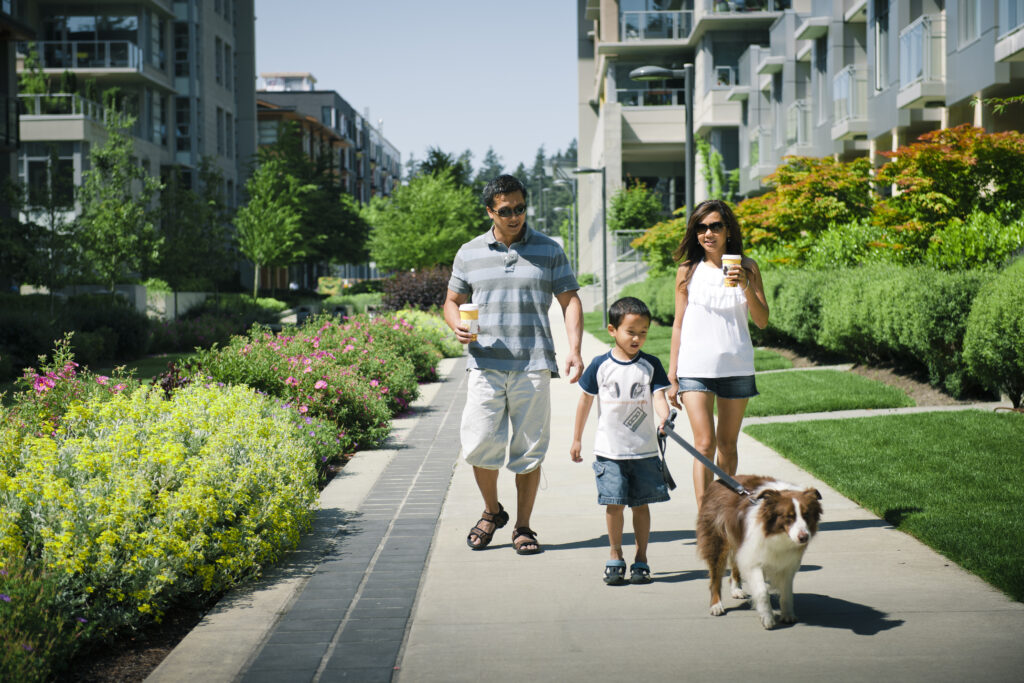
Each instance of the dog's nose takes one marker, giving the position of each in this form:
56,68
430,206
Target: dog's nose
803,536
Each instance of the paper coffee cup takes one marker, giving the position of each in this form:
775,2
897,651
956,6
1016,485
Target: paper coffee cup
470,314
729,260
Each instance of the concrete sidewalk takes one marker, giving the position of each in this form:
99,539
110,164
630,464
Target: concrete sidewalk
872,602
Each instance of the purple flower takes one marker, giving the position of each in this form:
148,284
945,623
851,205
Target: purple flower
5,597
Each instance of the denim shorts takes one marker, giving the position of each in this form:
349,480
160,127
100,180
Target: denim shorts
742,386
630,482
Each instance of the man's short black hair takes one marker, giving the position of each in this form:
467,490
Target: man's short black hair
503,184
627,305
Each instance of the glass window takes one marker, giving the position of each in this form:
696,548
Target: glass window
881,31
229,135
220,131
267,132
229,74
181,44
183,124
218,57
968,20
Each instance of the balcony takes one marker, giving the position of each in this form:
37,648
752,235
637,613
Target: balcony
61,105
798,124
734,6
923,63
655,25
8,122
1010,44
662,97
849,103
90,54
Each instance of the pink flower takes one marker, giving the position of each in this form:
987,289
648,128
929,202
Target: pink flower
374,382
292,381
307,369
102,379
303,409
348,348
43,384
320,384
118,387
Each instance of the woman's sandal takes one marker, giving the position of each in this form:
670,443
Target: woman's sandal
640,572
615,572
523,537
498,519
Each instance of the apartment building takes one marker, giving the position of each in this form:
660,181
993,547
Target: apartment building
183,69
772,78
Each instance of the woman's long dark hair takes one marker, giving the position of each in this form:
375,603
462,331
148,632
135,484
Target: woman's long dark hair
690,252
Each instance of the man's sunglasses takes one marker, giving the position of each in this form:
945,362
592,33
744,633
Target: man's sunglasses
508,212
716,227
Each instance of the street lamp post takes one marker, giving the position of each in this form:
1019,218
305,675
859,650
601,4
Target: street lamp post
660,73
604,239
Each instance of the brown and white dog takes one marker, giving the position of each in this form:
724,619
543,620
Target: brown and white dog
763,542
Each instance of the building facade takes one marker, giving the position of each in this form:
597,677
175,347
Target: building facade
772,78
183,69
13,29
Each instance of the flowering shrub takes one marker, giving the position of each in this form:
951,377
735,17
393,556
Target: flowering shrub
136,501
435,329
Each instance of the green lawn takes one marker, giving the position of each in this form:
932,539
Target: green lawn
147,368
813,391
951,479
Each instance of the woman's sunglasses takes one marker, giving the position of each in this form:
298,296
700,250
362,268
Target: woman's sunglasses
716,227
508,212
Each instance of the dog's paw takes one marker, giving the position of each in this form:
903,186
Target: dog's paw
717,609
768,620
787,618
739,593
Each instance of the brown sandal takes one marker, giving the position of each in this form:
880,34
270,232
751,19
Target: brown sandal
498,519
525,537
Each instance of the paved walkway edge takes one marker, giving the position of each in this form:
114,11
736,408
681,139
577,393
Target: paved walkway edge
223,644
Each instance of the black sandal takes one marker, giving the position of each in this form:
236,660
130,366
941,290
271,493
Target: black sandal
498,519
529,537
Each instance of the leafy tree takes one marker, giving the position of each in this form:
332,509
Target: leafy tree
949,173
721,184
269,225
633,207
195,228
331,226
659,241
423,223
117,226
808,195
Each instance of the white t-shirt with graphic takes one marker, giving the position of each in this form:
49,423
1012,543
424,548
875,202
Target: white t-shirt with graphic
626,423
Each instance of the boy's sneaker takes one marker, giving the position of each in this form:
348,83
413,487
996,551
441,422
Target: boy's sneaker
639,572
615,572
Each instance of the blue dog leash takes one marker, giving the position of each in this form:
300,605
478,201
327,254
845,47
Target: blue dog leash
668,430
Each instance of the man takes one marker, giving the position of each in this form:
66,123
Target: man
511,272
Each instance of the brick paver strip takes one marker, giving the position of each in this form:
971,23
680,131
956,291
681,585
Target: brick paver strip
350,619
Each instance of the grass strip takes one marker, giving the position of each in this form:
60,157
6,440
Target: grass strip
950,479
820,391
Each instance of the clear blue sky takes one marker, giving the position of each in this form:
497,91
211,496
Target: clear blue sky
454,74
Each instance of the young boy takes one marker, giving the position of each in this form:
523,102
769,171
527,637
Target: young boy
630,387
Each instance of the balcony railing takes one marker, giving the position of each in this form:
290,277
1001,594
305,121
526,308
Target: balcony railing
655,25
720,6
1011,16
760,145
623,240
8,121
798,123
664,97
61,104
921,50
850,94
89,54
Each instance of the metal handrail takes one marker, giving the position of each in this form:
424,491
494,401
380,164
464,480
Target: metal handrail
849,93
662,97
61,104
89,54
921,50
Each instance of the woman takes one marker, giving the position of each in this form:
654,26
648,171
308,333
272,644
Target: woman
712,356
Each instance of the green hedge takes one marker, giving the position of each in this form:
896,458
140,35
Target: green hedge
914,317
658,293
994,342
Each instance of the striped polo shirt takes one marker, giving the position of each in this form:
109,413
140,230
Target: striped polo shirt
514,287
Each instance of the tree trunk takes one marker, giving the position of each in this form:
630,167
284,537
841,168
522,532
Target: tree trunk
255,280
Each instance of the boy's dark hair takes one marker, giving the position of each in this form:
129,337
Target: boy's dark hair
503,184
627,305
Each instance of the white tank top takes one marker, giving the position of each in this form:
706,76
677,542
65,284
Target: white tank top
715,340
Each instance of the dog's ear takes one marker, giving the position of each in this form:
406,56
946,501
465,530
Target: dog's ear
767,494
814,492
